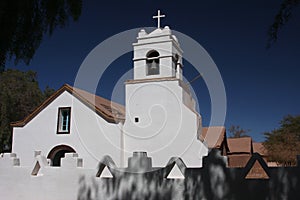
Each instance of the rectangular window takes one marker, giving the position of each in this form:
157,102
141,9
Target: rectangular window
64,120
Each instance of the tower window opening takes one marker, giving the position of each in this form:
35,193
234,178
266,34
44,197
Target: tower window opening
175,60
152,63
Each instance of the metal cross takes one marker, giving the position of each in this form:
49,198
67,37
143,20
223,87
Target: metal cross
158,18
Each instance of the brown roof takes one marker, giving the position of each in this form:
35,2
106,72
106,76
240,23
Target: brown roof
258,147
108,110
238,160
239,145
213,136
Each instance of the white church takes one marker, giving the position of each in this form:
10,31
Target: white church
159,117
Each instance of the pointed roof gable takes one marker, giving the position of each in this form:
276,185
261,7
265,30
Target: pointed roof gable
258,147
108,110
213,136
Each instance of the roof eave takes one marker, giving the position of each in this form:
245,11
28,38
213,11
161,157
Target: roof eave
109,118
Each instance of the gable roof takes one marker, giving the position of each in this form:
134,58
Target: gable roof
110,111
258,147
240,145
213,136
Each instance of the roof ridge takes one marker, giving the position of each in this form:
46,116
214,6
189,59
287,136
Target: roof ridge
107,114
106,100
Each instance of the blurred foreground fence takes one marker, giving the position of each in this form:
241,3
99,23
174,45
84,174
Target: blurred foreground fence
213,181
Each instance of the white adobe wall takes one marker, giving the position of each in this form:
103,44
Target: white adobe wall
91,136
166,127
59,183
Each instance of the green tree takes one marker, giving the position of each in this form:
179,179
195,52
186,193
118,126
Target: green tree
24,23
237,131
19,96
283,143
282,17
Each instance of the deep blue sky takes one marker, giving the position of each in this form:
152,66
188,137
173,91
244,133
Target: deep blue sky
261,85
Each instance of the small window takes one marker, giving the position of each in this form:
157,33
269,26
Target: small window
64,120
136,119
152,63
175,62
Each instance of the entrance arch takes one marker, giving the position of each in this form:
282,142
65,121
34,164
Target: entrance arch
58,152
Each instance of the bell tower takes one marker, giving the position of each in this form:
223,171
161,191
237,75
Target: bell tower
157,54
161,118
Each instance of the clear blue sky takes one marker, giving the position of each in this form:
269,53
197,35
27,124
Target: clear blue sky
262,85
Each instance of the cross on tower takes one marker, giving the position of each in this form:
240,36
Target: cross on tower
158,18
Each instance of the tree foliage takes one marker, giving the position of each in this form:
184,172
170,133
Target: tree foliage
237,131
283,144
282,17
24,22
19,96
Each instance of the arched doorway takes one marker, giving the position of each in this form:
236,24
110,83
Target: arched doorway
58,152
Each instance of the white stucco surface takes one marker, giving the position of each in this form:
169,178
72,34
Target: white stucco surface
160,113
166,126
90,136
59,183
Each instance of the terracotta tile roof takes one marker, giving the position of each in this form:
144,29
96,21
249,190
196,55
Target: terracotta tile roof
240,145
108,110
258,147
213,136
111,109
238,160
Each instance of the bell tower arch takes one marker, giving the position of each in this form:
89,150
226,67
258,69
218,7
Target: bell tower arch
157,55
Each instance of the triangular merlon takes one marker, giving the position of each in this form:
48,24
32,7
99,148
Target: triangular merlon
175,169
41,162
256,157
105,173
175,173
106,168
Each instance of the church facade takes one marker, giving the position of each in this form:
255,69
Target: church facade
159,117
66,123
